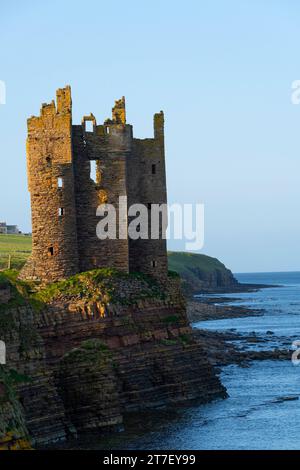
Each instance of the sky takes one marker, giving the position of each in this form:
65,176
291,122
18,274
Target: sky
221,70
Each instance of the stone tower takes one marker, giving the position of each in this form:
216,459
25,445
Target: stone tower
49,161
74,168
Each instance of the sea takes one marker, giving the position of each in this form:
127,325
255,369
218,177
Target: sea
263,407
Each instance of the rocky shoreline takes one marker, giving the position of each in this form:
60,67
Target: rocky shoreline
237,288
222,351
84,352
201,311
231,347
220,348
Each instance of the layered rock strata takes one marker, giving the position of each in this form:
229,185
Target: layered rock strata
89,355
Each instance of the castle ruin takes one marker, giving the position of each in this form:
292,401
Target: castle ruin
65,197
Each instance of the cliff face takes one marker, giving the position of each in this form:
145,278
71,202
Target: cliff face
91,348
13,432
201,273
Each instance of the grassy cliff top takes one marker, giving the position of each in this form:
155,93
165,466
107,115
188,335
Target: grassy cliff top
19,247
201,273
183,262
105,285
196,270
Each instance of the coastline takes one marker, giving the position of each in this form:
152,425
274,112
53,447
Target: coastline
238,288
207,310
222,351
231,347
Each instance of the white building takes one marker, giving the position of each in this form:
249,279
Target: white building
8,229
3,227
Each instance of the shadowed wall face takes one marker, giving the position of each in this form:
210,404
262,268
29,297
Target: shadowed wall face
65,194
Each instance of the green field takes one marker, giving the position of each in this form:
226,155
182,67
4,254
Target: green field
18,246
188,265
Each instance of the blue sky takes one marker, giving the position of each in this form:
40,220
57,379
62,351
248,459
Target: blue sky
221,71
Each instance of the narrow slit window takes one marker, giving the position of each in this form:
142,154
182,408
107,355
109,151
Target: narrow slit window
153,169
153,263
61,211
93,171
50,251
60,182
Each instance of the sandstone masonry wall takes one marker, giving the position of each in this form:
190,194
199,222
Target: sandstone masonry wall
65,196
49,159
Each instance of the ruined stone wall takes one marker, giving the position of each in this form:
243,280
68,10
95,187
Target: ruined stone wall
147,177
110,151
126,167
65,198
49,162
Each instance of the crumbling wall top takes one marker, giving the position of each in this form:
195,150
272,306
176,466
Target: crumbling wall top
63,107
159,122
64,100
89,118
119,111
